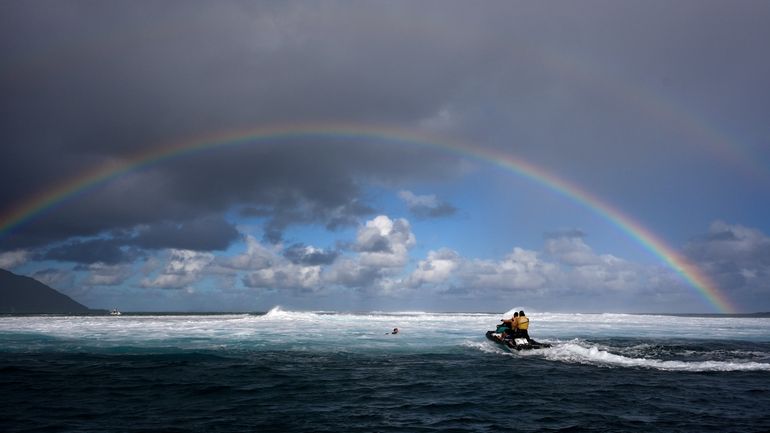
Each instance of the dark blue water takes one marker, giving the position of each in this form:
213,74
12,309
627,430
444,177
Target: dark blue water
462,390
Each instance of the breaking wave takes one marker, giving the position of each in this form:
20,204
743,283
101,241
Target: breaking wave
581,352
607,340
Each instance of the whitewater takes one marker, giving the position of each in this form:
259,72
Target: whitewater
333,371
577,338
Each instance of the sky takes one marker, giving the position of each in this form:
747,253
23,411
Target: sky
436,156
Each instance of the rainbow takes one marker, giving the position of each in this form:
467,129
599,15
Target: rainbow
51,198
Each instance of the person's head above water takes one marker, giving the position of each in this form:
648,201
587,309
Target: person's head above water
521,313
515,314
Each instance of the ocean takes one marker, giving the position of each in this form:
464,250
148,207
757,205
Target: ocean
286,371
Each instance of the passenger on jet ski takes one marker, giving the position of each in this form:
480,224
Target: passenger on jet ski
510,325
521,326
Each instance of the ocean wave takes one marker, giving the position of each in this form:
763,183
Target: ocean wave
583,353
278,313
486,347
599,341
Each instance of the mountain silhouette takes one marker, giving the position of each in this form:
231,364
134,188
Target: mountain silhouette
25,295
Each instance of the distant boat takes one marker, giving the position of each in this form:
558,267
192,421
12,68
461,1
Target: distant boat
114,312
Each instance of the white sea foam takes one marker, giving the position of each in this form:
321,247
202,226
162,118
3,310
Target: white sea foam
485,346
576,338
576,352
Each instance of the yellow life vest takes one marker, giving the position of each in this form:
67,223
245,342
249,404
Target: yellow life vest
523,322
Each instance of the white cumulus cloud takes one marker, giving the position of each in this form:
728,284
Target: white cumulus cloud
183,268
521,269
267,268
384,243
571,250
383,246
437,268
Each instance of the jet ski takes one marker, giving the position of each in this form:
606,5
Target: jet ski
520,343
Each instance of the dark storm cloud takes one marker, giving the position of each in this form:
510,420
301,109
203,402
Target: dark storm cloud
108,251
109,80
203,234
737,256
105,80
277,218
